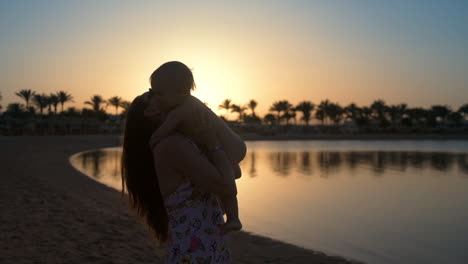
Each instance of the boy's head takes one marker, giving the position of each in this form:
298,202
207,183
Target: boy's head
170,84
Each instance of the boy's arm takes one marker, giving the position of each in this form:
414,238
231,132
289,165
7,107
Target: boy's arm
163,131
207,136
233,144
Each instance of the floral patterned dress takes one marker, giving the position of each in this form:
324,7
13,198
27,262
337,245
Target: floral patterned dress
194,217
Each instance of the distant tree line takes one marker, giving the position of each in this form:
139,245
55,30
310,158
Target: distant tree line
44,105
377,115
328,113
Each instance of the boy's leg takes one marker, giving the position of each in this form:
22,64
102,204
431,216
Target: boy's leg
231,208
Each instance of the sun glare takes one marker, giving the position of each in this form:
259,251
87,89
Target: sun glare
216,82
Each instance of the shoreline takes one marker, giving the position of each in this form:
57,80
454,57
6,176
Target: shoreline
294,137
51,213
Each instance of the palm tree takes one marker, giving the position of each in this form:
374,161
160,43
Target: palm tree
366,114
26,95
238,109
226,105
269,119
95,103
15,108
322,110
288,115
335,112
252,104
464,110
456,118
41,101
64,97
306,108
71,111
416,115
352,112
280,106
53,101
116,102
125,105
440,111
396,112
276,107
379,109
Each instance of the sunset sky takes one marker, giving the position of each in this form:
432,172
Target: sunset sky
413,52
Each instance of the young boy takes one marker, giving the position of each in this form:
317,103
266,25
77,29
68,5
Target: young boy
191,117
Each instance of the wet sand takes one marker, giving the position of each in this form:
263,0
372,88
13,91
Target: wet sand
51,213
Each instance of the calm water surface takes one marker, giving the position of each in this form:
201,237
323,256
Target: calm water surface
376,201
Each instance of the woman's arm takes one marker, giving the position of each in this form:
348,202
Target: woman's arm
180,155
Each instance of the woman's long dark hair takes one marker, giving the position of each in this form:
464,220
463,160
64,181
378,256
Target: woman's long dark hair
138,172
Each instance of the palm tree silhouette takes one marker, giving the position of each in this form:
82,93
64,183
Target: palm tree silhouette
116,102
226,105
238,109
125,105
54,101
95,103
379,110
464,110
351,112
15,108
455,117
269,119
365,115
41,101
335,112
290,113
416,115
252,105
276,107
440,111
396,112
25,94
64,97
306,108
322,110
280,106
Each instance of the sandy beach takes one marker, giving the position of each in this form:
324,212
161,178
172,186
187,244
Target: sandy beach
51,213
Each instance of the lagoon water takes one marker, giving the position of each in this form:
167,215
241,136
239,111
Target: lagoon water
375,201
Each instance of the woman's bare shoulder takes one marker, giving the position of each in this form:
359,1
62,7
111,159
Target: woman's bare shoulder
171,143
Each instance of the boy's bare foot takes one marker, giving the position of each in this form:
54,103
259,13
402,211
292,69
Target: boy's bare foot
230,225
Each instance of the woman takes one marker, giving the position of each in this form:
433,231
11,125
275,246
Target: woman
178,202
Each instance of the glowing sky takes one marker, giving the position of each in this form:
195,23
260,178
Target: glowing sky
346,51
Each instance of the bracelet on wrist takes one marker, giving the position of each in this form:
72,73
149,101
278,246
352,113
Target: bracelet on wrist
216,149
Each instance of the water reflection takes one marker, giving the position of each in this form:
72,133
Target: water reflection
101,164
105,163
331,162
252,170
344,201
